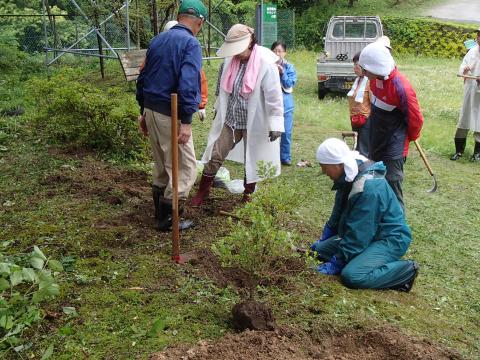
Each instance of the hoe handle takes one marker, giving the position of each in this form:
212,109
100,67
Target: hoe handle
424,157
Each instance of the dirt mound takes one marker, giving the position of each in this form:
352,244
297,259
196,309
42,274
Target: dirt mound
252,315
288,344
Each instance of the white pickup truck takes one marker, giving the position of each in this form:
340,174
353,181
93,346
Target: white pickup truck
345,36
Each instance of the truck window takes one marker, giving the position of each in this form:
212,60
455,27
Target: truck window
354,30
371,31
338,30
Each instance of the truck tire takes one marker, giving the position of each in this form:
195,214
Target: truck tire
322,91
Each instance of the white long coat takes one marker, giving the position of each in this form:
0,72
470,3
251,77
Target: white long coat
265,114
470,113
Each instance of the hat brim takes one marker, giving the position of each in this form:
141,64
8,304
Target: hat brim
229,49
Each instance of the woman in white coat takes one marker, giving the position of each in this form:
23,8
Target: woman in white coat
249,118
470,113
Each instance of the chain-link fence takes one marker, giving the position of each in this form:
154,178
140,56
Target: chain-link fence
72,28
286,27
23,31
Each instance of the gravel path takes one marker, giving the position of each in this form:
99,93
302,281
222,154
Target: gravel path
457,10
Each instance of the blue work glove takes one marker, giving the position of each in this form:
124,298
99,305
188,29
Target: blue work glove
327,233
332,267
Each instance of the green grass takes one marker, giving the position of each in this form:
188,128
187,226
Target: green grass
178,306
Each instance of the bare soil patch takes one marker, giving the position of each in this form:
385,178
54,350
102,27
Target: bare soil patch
291,344
206,264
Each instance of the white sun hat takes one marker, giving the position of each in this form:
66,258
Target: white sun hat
238,39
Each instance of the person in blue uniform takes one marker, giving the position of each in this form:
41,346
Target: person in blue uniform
366,235
288,79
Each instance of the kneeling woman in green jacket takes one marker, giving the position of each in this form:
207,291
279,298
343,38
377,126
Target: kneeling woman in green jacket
366,234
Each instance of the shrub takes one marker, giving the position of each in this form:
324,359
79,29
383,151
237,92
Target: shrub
74,114
258,244
15,67
26,280
427,37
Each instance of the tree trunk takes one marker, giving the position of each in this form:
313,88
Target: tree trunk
154,18
100,47
51,19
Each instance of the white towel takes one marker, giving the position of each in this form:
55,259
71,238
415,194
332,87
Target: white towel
361,89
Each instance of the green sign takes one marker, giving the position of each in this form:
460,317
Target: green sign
269,13
269,26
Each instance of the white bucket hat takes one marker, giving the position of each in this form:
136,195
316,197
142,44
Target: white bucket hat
238,39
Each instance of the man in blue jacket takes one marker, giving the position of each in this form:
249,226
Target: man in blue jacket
366,234
173,65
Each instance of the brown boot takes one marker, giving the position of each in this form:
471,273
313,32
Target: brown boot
203,190
249,189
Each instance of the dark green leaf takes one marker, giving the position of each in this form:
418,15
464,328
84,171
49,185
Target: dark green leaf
157,327
4,284
66,330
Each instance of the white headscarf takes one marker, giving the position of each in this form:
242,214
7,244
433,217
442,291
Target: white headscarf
376,59
334,151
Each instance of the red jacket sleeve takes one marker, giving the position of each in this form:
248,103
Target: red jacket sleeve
411,111
415,117
204,88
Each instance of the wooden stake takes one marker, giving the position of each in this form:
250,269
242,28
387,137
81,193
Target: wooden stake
469,77
175,222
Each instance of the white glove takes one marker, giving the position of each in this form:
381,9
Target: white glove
202,114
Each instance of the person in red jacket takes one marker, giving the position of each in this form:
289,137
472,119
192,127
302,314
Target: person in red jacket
395,117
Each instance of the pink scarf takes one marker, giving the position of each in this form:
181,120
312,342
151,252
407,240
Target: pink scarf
250,77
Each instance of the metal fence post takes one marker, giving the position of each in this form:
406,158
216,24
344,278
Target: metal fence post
127,20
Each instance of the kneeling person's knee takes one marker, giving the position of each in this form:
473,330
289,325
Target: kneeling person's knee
353,279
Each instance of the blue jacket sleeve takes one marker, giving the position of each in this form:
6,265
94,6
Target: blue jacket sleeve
139,91
289,76
189,82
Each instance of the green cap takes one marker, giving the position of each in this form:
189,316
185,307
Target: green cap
193,7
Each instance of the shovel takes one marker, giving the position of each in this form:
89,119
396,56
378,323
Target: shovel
427,164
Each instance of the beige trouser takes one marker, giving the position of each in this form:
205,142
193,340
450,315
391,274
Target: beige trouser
462,134
159,130
226,141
